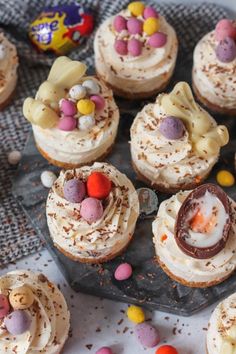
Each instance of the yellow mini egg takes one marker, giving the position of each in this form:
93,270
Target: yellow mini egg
135,314
151,25
21,298
225,178
86,106
136,8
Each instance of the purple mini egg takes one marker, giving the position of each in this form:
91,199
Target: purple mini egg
91,209
104,350
67,107
99,102
134,47
226,50
4,306
147,335
17,322
120,23
157,40
134,26
74,190
150,12
123,272
121,47
172,128
67,123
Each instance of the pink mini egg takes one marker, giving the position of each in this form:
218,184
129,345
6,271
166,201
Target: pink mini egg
67,107
4,306
67,123
225,28
91,209
150,12
99,102
120,23
134,47
104,350
157,40
123,272
121,46
134,26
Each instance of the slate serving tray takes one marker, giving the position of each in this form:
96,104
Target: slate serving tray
149,285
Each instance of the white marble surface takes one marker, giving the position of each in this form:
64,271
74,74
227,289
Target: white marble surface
100,322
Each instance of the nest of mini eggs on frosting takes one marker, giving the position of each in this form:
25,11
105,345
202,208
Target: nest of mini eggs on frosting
137,28
90,194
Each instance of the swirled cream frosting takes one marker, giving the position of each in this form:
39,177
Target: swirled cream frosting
105,237
49,316
8,68
142,74
221,335
214,79
82,146
175,162
182,266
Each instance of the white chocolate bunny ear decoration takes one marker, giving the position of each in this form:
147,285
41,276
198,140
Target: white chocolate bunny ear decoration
206,136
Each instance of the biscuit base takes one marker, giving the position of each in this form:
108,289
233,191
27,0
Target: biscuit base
67,165
134,95
191,284
164,189
93,260
8,100
212,106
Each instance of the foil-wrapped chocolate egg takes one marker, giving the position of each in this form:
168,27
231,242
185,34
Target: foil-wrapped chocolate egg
203,222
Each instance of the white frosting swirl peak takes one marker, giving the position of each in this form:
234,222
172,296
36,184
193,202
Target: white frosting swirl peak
49,316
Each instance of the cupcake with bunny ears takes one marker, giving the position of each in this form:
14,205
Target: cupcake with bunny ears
74,117
135,51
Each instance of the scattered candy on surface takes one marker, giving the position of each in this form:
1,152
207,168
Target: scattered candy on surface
21,298
147,335
67,107
67,123
134,47
150,12
225,28
91,209
85,106
104,350
157,40
135,314
120,23
121,46
98,185
61,28
166,349
136,8
134,26
151,25
86,122
225,178
91,86
172,128
4,306
77,92
99,102
17,322
226,50
14,157
48,178
74,190
123,272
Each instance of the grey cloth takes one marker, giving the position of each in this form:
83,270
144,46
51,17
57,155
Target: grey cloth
17,238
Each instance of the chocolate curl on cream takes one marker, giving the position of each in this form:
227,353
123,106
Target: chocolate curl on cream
203,222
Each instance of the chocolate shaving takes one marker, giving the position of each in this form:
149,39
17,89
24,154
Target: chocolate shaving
182,225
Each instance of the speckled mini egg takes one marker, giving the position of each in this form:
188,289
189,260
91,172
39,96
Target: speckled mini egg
17,322
147,335
4,306
21,298
77,92
91,86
